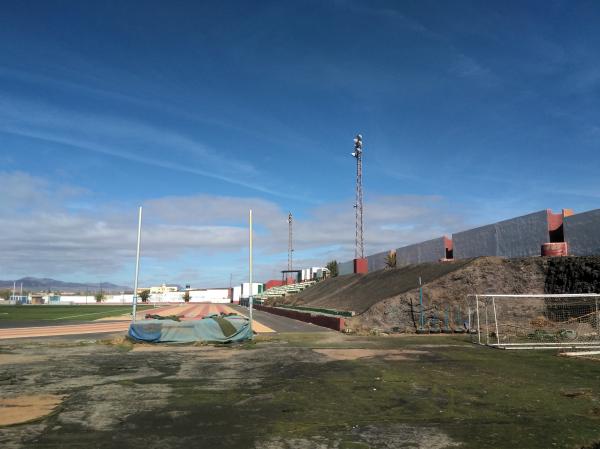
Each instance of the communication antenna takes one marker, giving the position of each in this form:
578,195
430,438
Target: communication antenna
359,249
290,242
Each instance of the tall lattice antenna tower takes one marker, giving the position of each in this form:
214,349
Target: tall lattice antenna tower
359,249
290,242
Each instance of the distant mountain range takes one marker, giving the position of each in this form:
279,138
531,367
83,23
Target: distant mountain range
44,284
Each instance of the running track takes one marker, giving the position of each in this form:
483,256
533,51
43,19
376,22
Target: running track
120,324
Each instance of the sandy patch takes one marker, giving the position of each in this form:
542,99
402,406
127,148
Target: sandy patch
14,359
353,354
22,409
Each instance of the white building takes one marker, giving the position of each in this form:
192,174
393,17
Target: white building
161,289
243,290
312,273
213,295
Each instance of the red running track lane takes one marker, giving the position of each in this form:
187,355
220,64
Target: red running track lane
188,312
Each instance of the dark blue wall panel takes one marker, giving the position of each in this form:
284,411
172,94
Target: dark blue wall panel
346,268
377,261
582,233
428,251
518,237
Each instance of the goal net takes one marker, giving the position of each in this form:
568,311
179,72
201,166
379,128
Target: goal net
551,321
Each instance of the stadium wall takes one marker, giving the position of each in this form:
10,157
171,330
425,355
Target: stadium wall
377,261
535,234
428,251
582,233
518,237
346,268
217,295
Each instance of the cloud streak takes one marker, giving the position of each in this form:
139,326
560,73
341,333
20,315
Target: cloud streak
186,233
128,140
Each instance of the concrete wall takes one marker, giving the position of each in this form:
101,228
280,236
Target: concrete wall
237,293
428,251
582,233
518,237
377,261
214,295
332,322
345,268
90,299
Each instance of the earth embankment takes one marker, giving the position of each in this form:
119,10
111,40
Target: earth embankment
388,299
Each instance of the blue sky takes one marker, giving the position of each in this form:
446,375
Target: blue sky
471,112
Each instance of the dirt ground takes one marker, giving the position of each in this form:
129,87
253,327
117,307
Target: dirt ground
295,391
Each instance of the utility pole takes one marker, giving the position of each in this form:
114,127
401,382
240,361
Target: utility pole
359,248
250,261
290,242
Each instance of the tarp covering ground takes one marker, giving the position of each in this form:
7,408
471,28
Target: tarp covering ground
213,329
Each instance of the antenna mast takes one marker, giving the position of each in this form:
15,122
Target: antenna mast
359,249
290,244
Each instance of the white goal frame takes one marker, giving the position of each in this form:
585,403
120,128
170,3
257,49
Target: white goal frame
484,328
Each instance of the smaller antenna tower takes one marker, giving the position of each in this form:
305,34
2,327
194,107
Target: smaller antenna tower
290,242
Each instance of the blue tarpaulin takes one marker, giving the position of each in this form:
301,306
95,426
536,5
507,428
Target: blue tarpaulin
214,329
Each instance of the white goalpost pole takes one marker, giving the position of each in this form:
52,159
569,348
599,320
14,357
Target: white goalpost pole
137,264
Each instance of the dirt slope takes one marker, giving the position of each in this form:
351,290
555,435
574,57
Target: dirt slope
359,292
388,299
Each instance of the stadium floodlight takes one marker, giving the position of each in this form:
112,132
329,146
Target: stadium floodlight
358,204
357,146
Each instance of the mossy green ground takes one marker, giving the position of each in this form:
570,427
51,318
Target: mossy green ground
57,312
277,392
481,397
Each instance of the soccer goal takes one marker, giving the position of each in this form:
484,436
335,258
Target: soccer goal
544,321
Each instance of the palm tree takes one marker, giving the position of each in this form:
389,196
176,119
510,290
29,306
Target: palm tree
333,268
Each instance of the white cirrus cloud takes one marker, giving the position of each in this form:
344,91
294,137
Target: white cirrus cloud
183,235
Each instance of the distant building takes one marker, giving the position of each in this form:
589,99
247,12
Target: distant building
314,273
161,289
273,283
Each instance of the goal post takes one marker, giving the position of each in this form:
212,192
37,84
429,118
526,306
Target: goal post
535,321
